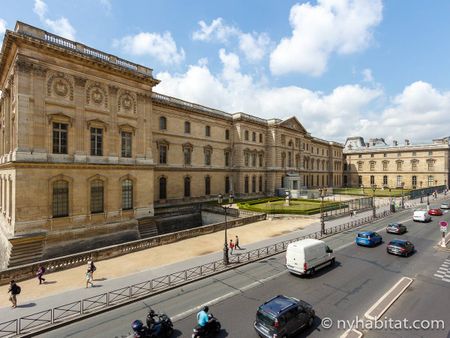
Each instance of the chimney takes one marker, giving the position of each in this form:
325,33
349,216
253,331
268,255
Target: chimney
395,143
406,142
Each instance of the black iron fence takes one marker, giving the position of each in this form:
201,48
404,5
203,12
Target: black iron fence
44,319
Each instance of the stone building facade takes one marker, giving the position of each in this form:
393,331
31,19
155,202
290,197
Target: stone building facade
87,148
415,165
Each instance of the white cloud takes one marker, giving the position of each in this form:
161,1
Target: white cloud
331,26
253,45
418,113
2,27
59,26
367,75
216,31
159,46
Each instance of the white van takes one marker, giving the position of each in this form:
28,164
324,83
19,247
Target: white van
421,216
308,255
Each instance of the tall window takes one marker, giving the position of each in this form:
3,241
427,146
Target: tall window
187,127
399,180
385,165
208,131
246,184
162,123
126,144
227,185
207,185
414,181
260,159
385,180
162,188
254,160
253,183
187,155
162,154
360,180
430,165
430,180
260,184
97,202
96,141
289,159
414,165
260,138
372,179
399,165
246,135
254,137
283,160
59,138
208,156
187,186
372,166
227,134
127,194
360,166
247,159
60,199
227,158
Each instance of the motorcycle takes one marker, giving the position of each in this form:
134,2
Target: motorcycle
210,330
163,327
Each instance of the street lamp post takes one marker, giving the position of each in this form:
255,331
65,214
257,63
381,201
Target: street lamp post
225,243
374,211
322,192
421,192
428,200
403,201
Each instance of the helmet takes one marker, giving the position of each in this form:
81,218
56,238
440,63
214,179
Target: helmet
151,312
137,325
205,308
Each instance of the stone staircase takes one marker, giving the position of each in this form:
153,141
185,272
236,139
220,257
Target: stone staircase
26,250
148,227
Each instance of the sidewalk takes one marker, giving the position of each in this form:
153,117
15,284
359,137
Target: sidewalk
69,285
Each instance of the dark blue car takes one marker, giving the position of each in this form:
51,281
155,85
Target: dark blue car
368,238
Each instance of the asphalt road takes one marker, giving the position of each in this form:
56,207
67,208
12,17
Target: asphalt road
343,292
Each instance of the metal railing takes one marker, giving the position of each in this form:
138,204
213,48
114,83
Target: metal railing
46,318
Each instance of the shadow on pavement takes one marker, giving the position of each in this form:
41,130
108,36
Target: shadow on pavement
26,305
50,282
308,331
100,279
321,271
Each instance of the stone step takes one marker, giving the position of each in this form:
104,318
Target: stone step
24,260
26,250
147,228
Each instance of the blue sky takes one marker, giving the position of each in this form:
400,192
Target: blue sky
343,67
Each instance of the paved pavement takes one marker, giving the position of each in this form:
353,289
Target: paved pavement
343,292
66,286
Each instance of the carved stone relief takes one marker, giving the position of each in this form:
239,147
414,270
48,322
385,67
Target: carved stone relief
60,85
96,95
127,103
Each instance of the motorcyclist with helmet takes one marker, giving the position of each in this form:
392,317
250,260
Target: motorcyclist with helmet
151,318
203,318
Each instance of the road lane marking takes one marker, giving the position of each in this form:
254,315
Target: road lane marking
392,295
352,333
217,300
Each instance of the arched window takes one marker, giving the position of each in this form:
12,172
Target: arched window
207,185
97,196
260,184
162,123
187,187
253,183
60,199
162,188
127,194
187,127
246,184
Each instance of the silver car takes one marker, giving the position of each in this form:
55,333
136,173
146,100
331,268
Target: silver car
445,206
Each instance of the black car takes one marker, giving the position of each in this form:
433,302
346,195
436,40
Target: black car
396,228
400,247
283,316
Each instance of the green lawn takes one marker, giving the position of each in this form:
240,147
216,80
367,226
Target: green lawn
368,192
297,206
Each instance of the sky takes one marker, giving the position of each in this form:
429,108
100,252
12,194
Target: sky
368,68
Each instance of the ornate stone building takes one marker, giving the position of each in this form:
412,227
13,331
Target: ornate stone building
414,165
87,148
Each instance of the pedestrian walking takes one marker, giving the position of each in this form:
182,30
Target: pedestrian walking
89,278
40,273
231,246
236,243
14,290
351,213
91,266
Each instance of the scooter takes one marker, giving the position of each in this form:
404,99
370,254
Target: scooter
210,330
162,328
